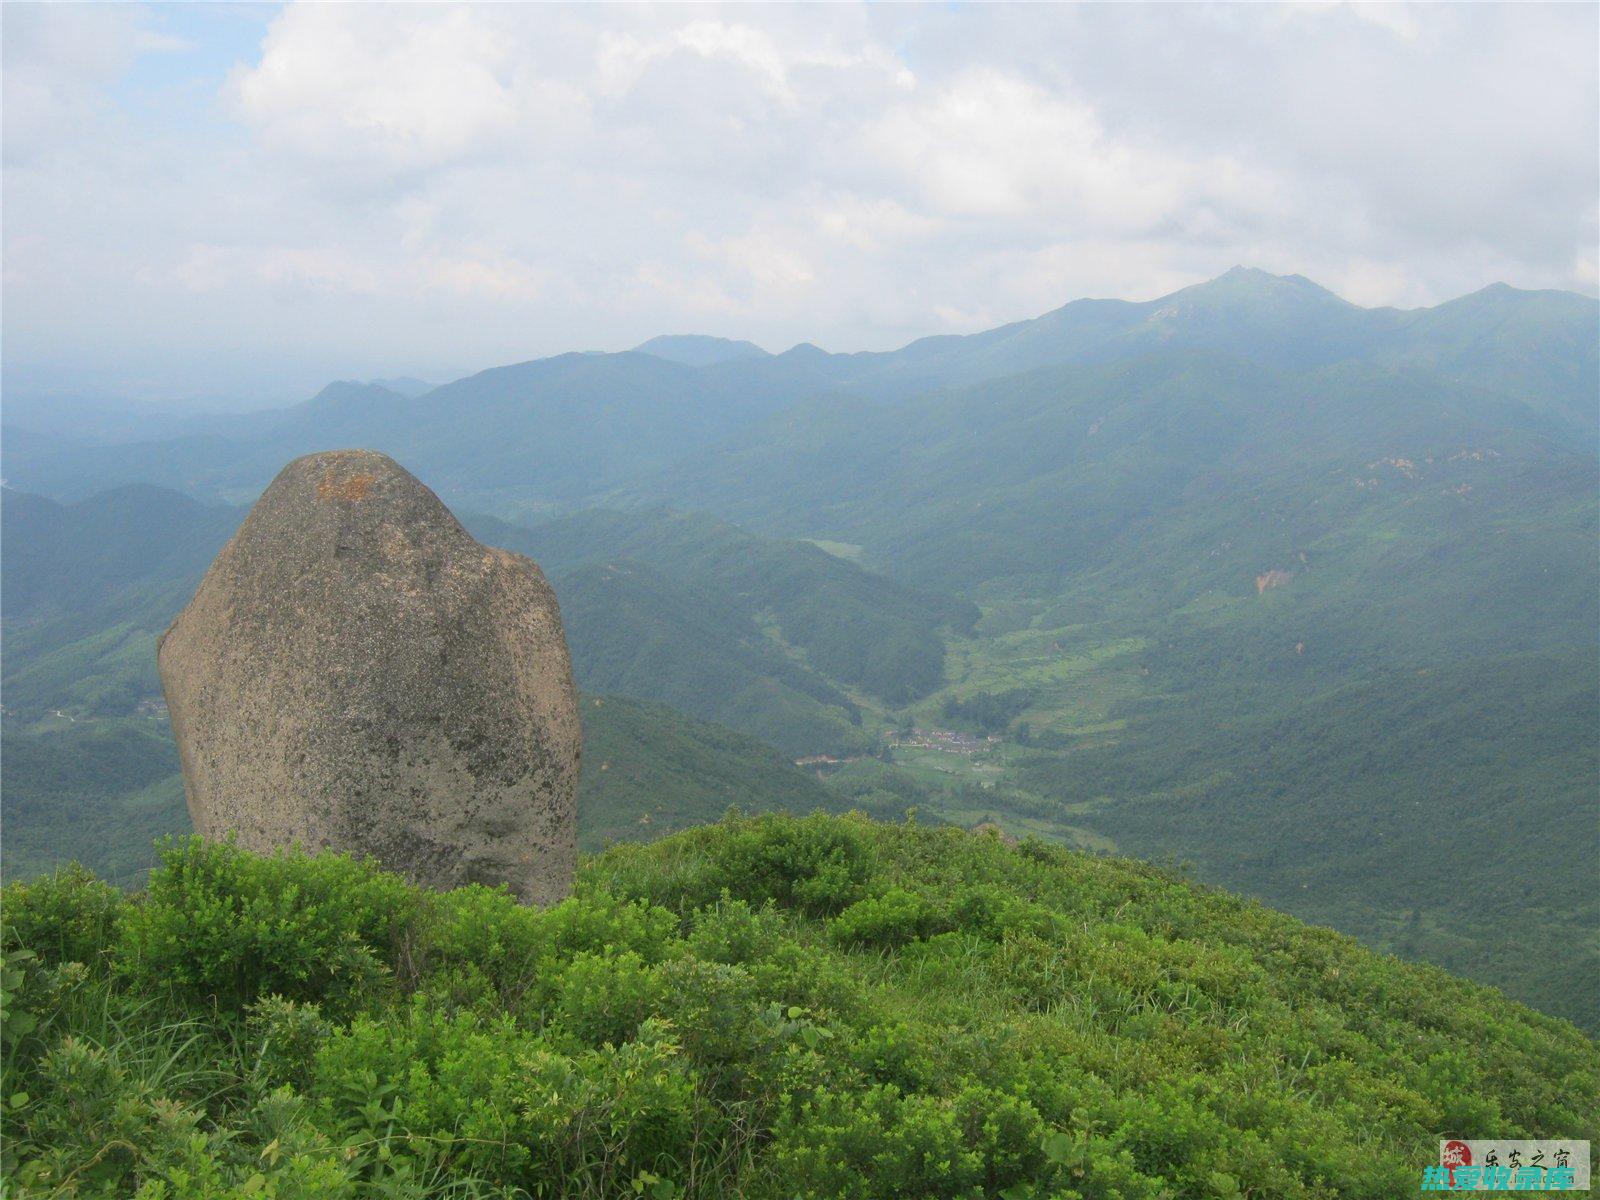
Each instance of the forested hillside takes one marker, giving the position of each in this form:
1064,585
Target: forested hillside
1228,465
87,587
762,634
634,631
765,1007
1301,592
851,624
650,771
1314,629
1354,808
101,792
517,438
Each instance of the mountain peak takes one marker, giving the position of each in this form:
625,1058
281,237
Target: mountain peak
1501,292
804,351
347,391
405,385
1247,284
1256,277
699,350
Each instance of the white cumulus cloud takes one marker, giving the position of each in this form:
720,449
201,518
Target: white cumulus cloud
399,186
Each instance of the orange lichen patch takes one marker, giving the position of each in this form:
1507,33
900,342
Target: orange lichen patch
352,489
1271,579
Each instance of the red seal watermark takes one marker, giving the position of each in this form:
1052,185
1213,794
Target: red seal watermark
1455,1154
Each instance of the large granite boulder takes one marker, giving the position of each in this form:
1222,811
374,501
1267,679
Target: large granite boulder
357,672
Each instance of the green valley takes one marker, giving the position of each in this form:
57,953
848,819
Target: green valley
1298,593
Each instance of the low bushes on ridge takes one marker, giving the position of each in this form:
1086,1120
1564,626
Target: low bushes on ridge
767,1007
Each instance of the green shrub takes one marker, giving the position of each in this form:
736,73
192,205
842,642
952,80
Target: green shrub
69,916
279,1155
284,1037
91,1121
603,998
491,1100
597,920
720,1021
478,946
991,912
1005,1131
222,924
816,864
878,1143
896,917
731,931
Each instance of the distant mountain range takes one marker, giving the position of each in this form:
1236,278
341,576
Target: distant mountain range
550,433
1302,592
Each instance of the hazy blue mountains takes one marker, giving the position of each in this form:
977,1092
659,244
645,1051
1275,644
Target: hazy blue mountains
527,438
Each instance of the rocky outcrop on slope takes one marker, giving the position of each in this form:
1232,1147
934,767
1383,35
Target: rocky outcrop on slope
355,671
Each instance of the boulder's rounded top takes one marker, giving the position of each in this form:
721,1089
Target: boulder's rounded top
341,485
347,476
342,524
353,459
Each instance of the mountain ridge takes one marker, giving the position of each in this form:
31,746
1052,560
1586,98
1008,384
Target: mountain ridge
654,409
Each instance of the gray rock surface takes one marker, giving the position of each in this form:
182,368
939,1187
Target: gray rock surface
355,671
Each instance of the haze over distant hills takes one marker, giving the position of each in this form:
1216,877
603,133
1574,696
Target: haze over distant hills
1298,591
532,436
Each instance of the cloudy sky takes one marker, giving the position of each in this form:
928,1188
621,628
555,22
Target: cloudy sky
239,201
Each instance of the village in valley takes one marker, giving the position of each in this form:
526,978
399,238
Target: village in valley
927,748
949,740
